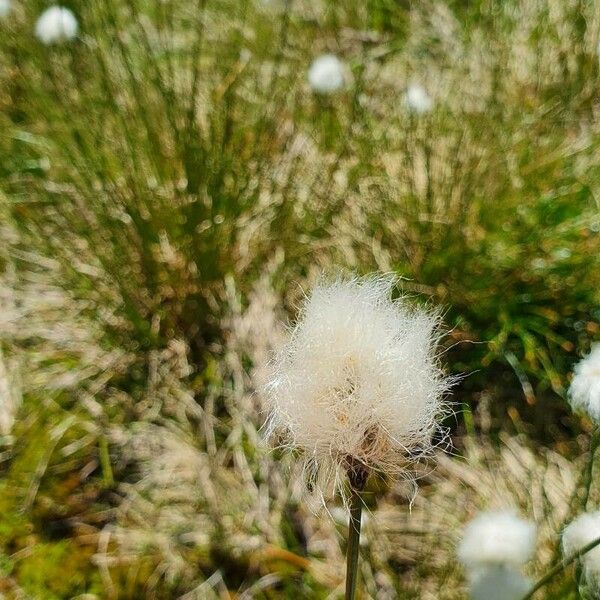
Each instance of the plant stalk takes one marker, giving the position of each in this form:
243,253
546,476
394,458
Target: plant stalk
584,482
353,544
357,476
588,478
107,474
561,566
594,443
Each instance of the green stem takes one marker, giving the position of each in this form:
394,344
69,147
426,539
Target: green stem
107,474
560,567
584,481
594,443
353,543
588,478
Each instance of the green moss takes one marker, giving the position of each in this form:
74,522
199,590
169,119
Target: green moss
53,571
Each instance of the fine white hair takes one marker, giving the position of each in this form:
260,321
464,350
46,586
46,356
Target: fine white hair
56,24
498,582
358,381
417,99
497,538
579,533
584,392
5,7
326,74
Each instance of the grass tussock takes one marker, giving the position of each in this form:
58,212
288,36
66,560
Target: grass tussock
169,188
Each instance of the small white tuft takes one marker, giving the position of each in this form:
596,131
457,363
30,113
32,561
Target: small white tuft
584,392
5,8
358,381
498,583
56,24
326,74
418,100
497,538
582,531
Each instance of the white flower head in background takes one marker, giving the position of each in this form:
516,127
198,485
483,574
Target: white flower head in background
497,539
498,583
326,74
5,7
579,533
418,100
56,24
584,392
358,383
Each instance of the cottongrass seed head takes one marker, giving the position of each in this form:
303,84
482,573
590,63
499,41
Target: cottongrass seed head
584,392
358,382
56,24
5,7
579,533
497,538
326,74
498,582
418,100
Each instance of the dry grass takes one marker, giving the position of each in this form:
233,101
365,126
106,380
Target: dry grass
169,186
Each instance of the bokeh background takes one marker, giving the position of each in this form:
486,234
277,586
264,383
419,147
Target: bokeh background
170,186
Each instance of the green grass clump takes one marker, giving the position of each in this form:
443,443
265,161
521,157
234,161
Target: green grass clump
42,573
169,185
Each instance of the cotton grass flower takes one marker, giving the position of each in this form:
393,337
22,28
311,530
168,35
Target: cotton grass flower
497,539
498,583
5,8
584,392
579,533
326,74
358,383
56,24
358,389
418,100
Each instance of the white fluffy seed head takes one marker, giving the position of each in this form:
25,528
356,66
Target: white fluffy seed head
418,100
56,24
5,7
497,538
498,582
326,74
358,381
582,531
584,393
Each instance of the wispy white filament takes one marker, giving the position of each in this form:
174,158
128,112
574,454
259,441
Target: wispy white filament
326,74
358,380
581,532
56,24
584,392
418,99
5,7
497,539
498,583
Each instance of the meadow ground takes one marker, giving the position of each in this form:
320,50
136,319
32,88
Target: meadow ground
171,185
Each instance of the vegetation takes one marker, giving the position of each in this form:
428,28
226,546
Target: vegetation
169,186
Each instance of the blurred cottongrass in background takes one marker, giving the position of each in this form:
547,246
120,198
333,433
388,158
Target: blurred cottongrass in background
582,531
176,175
494,548
56,24
5,7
